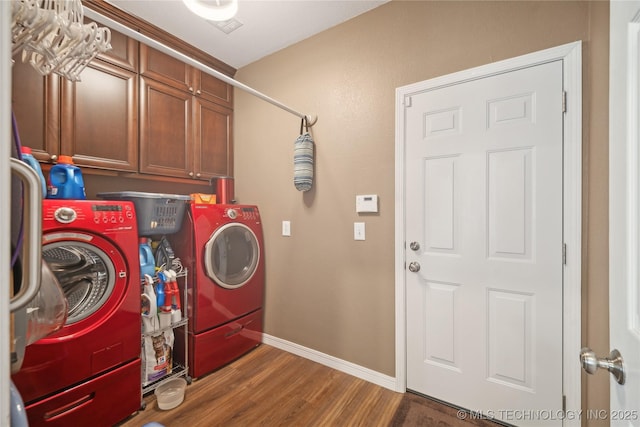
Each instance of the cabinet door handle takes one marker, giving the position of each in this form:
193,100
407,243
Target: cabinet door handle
191,174
198,91
53,157
198,175
191,89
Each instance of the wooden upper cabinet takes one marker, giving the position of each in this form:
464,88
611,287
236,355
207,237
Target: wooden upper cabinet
213,89
173,72
213,126
94,120
35,101
181,135
165,130
135,109
99,126
186,119
123,52
165,69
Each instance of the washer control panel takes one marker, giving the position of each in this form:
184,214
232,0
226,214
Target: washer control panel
89,213
243,212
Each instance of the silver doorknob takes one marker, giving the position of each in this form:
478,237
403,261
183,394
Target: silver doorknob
613,363
414,267
414,246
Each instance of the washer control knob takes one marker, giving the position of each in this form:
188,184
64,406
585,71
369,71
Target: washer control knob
231,213
65,215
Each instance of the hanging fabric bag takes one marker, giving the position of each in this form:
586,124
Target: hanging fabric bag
303,160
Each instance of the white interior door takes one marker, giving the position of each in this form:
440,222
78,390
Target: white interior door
484,222
624,207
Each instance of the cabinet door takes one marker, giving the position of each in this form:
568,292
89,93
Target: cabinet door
213,89
123,52
36,104
165,130
213,139
99,118
165,69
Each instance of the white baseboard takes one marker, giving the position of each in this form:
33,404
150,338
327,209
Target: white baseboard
332,362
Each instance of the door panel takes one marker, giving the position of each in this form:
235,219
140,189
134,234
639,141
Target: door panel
484,201
624,209
213,139
165,130
36,105
99,118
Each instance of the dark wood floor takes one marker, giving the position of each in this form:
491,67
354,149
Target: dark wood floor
271,387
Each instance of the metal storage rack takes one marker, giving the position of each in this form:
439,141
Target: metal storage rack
178,369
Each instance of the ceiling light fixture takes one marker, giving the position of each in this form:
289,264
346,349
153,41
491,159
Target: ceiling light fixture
213,10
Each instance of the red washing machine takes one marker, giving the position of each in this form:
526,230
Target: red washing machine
88,373
222,246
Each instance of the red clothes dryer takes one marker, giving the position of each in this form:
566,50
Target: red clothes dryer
222,246
88,373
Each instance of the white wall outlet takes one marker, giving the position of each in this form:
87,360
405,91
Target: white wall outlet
367,203
286,228
358,231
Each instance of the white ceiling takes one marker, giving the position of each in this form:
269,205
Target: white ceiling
267,25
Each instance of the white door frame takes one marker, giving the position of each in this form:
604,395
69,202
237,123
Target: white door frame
5,192
571,55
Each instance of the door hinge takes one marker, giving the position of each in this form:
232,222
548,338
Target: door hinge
407,101
564,403
564,254
564,101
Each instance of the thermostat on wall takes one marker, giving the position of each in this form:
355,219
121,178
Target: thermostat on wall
367,203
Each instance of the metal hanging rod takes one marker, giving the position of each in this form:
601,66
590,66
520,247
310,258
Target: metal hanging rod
310,120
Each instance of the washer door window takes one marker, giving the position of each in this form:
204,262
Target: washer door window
231,255
85,273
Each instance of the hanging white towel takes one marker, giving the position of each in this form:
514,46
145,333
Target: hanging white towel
303,162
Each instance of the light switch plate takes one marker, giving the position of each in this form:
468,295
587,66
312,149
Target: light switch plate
358,231
286,228
367,203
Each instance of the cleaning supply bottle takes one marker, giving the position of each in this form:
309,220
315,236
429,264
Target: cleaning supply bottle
65,180
176,309
149,308
28,158
164,300
147,262
160,297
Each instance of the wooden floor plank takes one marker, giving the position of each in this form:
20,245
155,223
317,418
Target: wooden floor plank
271,387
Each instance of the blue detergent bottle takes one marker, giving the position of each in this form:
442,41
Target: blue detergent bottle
65,180
28,158
147,261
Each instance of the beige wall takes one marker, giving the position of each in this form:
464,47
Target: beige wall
326,291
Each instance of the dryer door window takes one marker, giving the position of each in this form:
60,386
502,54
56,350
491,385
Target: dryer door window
85,273
231,255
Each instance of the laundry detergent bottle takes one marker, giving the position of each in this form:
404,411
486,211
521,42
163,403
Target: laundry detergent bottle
28,158
65,180
147,261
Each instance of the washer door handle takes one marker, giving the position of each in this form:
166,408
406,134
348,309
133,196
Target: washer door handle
32,246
